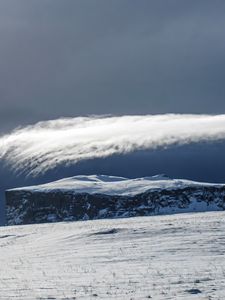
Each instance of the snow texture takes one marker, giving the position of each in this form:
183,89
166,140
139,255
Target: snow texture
112,185
162,257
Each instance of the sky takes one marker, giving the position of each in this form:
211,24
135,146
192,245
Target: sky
71,58
88,58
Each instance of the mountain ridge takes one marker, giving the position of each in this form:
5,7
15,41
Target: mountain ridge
101,196
114,185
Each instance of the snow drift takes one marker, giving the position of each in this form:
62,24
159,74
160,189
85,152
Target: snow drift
165,257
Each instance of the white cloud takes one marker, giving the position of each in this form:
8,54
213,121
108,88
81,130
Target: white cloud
38,148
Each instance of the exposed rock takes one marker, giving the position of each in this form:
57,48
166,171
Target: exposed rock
37,205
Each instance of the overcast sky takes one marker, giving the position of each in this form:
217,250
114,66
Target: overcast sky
78,57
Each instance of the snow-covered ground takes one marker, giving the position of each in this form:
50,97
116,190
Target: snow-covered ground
162,257
113,185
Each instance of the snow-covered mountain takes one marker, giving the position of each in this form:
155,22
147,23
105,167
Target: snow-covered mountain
101,196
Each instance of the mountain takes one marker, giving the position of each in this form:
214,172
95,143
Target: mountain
195,161
101,196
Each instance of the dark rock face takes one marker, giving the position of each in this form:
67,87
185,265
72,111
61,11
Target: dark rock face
26,207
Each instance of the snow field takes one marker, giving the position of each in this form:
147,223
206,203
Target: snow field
162,257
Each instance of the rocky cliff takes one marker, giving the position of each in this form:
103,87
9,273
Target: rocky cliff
96,197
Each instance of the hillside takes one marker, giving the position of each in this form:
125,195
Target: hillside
164,257
101,196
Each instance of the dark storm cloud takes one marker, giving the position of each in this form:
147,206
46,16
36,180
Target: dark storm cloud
67,58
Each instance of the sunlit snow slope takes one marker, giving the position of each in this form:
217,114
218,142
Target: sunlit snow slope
162,257
113,185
